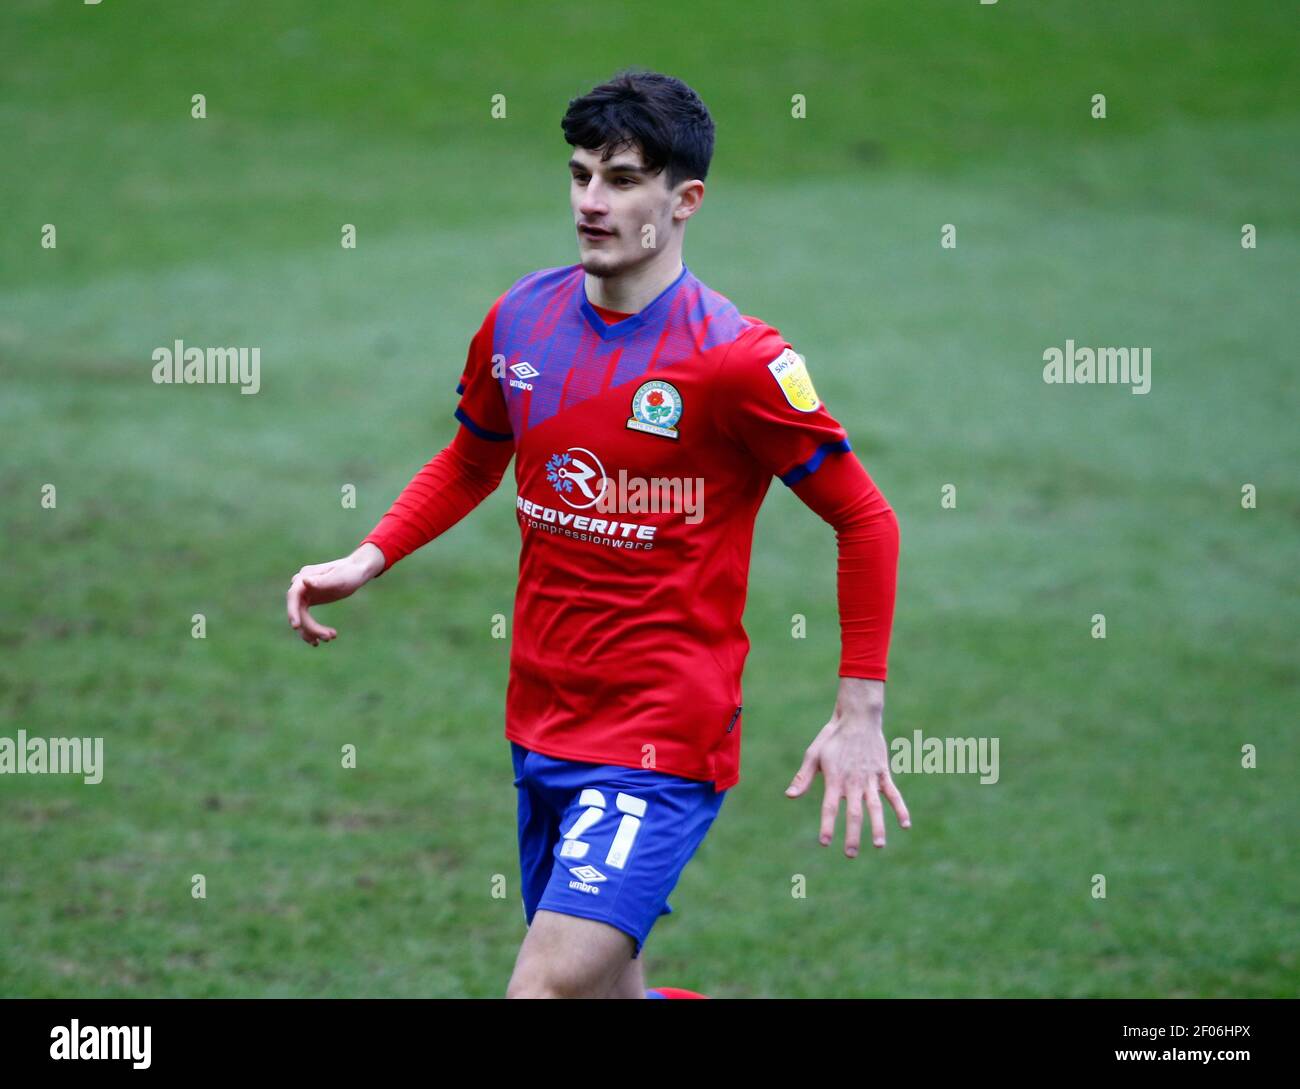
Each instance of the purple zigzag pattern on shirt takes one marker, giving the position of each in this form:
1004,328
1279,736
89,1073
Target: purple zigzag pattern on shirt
542,320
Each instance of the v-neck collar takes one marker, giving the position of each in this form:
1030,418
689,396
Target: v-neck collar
630,324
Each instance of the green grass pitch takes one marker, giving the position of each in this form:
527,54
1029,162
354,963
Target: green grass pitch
1119,757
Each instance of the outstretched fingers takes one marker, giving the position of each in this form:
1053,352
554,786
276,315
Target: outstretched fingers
804,775
876,785
877,812
896,800
830,810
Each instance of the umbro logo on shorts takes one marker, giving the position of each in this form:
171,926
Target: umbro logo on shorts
587,873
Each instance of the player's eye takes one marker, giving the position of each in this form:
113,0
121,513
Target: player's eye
582,179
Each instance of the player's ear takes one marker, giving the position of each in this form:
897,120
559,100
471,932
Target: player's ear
690,195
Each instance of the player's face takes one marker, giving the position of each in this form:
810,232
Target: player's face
632,207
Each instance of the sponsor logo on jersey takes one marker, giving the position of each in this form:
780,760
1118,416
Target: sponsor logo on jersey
522,371
656,408
577,472
791,374
610,531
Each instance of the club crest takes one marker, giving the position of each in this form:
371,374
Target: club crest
656,408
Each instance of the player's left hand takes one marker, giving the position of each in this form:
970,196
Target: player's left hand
851,754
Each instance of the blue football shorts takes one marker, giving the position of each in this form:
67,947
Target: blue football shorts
606,842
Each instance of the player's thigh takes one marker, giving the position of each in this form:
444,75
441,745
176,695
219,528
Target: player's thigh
567,956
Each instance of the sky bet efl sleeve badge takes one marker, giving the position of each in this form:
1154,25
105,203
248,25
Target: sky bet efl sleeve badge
656,408
791,375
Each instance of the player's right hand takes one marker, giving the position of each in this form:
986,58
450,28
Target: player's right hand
319,583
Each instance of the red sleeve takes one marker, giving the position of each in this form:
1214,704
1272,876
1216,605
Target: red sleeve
482,405
767,405
451,485
866,531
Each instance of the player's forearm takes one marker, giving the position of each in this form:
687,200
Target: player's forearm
446,489
866,582
867,536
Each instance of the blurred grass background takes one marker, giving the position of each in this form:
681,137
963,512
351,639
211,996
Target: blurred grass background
1119,757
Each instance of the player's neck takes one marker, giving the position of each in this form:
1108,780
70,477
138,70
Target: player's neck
636,289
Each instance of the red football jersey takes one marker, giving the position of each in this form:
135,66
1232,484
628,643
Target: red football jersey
643,450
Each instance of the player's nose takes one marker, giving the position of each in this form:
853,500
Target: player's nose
592,203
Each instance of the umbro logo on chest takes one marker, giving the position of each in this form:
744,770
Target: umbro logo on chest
522,371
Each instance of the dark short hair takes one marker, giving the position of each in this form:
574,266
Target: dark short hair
659,113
